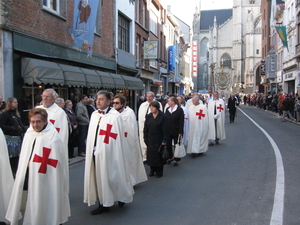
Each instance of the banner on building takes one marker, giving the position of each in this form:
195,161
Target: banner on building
194,59
281,30
84,22
150,49
171,58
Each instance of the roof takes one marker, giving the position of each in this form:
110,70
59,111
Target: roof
207,17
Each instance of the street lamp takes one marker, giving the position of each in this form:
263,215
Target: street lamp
212,82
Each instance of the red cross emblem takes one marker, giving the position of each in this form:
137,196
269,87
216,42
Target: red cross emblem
45,160
125,134
220,108
108,134
200,114
53,122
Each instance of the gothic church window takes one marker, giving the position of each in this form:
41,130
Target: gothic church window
225,61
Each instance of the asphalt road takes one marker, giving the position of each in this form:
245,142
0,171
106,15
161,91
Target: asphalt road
234,183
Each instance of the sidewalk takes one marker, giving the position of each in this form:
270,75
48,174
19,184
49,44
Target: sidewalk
76,159
275,114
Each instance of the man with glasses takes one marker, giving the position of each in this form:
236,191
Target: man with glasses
133,148
106,177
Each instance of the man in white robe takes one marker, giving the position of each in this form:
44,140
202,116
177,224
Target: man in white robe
143,111
6,178
216,112
58,117
106,176
198,128
190,101
42,155
134,153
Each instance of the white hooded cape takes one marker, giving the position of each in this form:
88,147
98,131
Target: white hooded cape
58,117
108,179
48,199
6,178
198,129
185,126
136,166
143,110
220,121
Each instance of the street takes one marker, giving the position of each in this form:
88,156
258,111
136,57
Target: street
234,183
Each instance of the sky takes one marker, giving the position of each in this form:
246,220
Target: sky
185,9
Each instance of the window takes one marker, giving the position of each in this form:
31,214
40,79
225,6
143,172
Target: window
123,33
153,23
137,10
251,2
225,61
153,63
55,6
257,51
98,27
137,50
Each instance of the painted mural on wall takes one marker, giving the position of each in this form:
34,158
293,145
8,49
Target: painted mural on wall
84,22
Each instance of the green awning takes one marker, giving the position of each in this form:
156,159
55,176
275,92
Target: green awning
119,81
92,78
133,83
41,72
106,79
73,76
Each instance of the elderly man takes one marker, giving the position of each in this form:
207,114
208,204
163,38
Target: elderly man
216,112
190,101
43,158
60,102
107,176
198,128
143,111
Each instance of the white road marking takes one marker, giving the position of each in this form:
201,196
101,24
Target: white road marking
278,205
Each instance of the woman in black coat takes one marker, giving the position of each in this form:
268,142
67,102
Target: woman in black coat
155,135
73,137
175,116
13,130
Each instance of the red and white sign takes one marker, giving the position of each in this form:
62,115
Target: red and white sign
194,59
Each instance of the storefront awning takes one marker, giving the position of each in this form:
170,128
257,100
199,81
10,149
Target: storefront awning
73,76
45,72
133,83
41,72
156,82
119,81
92,78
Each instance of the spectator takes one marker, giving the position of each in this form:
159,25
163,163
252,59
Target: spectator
91,106
287,106
83,124
60,102
73,138
2,104
14,130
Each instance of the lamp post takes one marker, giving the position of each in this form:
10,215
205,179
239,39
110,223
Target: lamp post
212,67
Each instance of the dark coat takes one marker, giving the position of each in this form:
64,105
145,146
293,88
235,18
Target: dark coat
11,124
175,121
155,133
287,104
72,117
90,110
231,104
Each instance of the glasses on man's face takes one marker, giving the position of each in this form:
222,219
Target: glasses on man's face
117,103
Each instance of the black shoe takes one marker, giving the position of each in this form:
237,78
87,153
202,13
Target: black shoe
217,142
121,204
158,176
194,155
169,161
151,174
175,163
211,144
100,210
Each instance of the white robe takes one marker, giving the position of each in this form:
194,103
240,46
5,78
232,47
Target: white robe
198,129
48,199
108,179
6,178
58,117
143,110
136,166
220,121
185,126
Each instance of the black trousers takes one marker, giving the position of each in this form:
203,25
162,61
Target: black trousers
170,147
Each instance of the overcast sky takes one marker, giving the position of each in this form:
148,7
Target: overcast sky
185,9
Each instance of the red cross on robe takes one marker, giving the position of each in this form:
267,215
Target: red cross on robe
220,108
53,122
44,160
108,133
200,114
125,134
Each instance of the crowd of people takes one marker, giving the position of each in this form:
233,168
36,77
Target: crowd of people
115,146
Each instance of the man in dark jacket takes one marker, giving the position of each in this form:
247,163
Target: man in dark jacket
287,104
231,105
